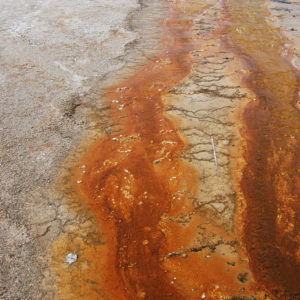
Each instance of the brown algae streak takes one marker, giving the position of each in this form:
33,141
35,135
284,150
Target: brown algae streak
271,123
129,177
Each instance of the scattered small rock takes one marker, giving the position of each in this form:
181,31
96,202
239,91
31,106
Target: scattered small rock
118,90
174,254
71,258
242,277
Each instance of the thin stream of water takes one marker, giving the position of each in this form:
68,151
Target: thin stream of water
130,178
270,181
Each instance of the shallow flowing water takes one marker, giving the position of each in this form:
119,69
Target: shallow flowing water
136,183
270,180
131,176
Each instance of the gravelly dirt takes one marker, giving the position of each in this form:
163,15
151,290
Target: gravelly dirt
55,58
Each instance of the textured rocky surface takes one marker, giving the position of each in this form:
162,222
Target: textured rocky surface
52,53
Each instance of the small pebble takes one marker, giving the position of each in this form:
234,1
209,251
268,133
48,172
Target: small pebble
242,277
71,258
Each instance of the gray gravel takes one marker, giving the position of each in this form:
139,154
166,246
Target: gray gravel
56,59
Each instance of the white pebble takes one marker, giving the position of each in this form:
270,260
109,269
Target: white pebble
71,258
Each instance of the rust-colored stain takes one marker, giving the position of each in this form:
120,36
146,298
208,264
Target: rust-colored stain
271,122
131,176
132,181
141,192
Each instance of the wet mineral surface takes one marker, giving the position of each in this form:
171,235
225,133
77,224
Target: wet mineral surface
150,150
